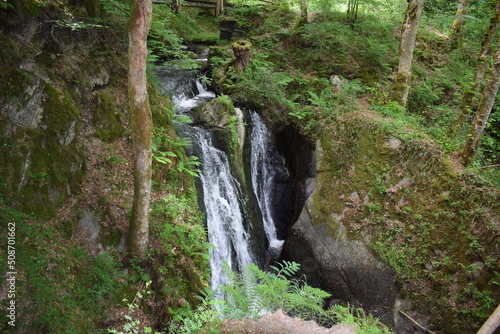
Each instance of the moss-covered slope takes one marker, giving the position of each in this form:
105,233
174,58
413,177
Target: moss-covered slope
435,225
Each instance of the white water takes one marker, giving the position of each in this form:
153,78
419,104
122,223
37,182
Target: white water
264,172
224,218
184,101
221,191
221,195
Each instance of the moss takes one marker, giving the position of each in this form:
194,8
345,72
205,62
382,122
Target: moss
44,165
424,219
63,290
107,118
400,88
59,110
161,107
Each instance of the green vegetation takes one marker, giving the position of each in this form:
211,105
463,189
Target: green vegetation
68,289
429,229
254,292
289,72
433,223
170,32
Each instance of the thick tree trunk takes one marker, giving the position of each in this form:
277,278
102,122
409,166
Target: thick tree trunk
402,84
457,28
242,54
141,125
482,61
219,6
483,113
492,323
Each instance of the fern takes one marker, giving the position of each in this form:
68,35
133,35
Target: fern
255,292
287,267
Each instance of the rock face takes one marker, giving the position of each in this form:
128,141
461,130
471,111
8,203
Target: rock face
54,82
295,189
386,209
343,267
331,261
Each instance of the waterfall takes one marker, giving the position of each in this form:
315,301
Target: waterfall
267,165
190,99
224,214
221,194
227,223
187,92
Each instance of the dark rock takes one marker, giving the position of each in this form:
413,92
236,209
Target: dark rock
343,267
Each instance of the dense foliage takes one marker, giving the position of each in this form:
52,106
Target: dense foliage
309,76
253,293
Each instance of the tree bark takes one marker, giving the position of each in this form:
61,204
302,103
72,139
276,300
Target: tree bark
141,126
242,54
219,6
304,15
93,8
492,323
402,84
457,28
352,11
483,113
482,61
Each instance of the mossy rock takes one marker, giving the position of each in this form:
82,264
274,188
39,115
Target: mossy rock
405,198
214,113
42,166
107,118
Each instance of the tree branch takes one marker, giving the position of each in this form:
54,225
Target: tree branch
416,323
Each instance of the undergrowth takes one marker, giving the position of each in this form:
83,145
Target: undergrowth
59,287
253,293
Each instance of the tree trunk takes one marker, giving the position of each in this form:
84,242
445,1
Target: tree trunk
93,8
141,126
352,11
401,86
219,6
482,61
176,4
457,28
483,113
304,15
492,323
242,54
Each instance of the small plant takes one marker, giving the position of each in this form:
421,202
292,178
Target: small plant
373,207
205,317
115,158
40,177
132,326
165,148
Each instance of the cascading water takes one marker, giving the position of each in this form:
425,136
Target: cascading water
267,165
224,215
226,220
